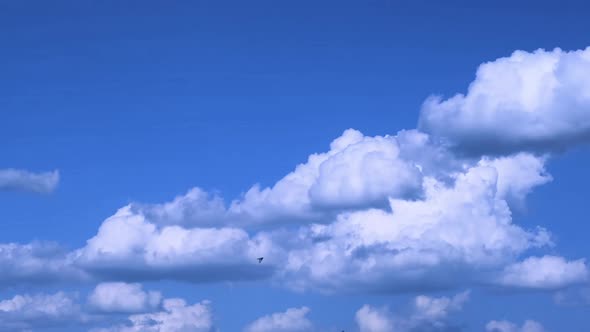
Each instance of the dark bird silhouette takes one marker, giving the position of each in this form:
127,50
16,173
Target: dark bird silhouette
260,259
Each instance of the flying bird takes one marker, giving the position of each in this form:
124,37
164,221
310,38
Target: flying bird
260,259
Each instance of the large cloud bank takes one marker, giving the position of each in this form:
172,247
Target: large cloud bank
454,229
422,209
451,226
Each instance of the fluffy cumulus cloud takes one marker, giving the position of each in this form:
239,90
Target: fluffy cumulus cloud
192,237
123,297
176,316
371,319
506,326
358,171
291,320
437,308
35,263
363,173
61,310
518,175
547,272
527,101
195,208
128,246
426,314
21,180
443,240
33,312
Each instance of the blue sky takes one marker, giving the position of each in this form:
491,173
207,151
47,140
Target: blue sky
137,103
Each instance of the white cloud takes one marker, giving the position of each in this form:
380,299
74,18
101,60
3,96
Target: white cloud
176,316
371,319
518,175
123,297
506,326
195,208
129,247
35,263
547,272
292,320
22,180
433,159
458,232
364,173
527,101
437,308
39,311
427,313
357,171
446,239
60,311
383,213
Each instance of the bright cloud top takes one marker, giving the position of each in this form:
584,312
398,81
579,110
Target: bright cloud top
358,171
527,101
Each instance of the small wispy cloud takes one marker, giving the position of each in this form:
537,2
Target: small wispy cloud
292,320
506,326
22,180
